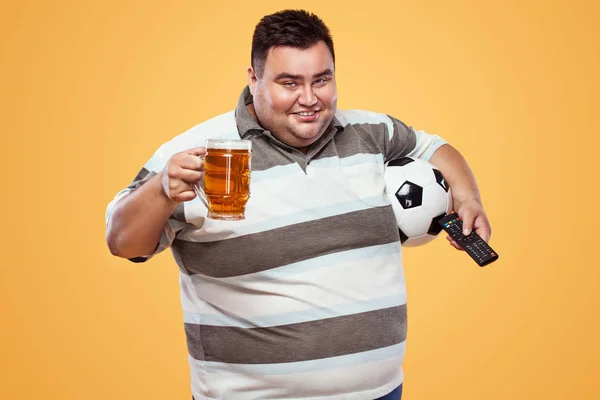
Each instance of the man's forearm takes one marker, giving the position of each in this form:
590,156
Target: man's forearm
457,173
138,219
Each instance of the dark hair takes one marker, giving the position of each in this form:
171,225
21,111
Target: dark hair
295,28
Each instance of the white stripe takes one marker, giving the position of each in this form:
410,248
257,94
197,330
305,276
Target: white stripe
279,197
156,163
220,127
359,376
312,314
190,300
284,171
347,117
426,145
215,230
361,159
274,173
193,304
321,286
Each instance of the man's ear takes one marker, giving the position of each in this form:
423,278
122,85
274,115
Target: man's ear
252,79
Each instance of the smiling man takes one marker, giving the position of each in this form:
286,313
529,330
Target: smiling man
294,93
305,298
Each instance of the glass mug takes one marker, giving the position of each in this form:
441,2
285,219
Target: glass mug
225,189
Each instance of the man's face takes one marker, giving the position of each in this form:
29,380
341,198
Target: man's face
296,97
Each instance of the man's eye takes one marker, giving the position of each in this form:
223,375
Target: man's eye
321,81
289,84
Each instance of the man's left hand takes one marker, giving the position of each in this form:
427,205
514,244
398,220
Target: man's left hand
473,217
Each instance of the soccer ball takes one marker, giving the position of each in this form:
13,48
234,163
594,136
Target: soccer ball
420,196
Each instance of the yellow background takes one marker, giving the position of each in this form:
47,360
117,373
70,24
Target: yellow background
90,89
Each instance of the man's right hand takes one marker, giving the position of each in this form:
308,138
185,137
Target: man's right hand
182,171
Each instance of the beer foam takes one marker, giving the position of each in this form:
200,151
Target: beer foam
224,144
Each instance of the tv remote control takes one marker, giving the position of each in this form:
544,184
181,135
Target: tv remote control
473,244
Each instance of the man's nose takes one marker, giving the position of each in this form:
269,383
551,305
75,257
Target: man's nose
307,97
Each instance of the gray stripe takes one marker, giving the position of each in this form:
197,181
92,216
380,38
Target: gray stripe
298,342
354,139
266,154
359,138
231,257
403,140
194,341
179,212
142,177
244,120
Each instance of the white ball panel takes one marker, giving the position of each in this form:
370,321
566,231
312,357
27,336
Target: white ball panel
394,177
398,210
414,222
420,172
418,241
435,200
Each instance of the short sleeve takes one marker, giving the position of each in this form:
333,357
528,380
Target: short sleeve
405,141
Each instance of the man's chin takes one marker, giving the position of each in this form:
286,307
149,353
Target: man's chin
307,138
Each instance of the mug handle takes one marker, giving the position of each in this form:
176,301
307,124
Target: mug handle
199,188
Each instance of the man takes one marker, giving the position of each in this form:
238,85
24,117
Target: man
304,298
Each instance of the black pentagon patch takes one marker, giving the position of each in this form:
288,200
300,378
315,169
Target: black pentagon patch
410,195
403,237
435,228
439,178
399,162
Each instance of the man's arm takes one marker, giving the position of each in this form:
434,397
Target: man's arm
465,193
137,220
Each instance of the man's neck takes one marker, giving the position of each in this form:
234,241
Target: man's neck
250,108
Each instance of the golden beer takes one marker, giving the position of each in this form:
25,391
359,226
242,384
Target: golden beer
227,178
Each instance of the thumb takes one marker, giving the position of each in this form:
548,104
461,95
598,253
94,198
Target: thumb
467,217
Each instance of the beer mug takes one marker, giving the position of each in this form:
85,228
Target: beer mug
225,189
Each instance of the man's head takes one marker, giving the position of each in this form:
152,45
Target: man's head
292,77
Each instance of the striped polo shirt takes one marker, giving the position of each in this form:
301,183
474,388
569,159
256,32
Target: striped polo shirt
305,298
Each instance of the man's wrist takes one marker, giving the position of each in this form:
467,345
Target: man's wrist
158,187
459,202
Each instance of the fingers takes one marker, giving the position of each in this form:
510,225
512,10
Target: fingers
189,161
178,190
178,186
186,195
185,167
181,172
474,218
196,151
177,172
453,243
482,227
187,175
